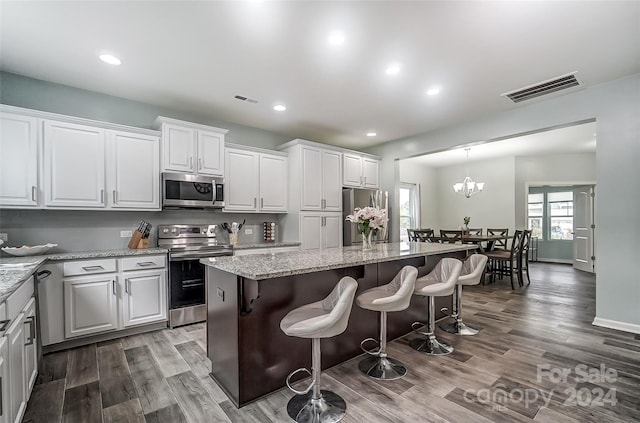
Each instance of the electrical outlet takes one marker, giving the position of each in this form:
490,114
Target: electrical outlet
248,231
125,234
4,237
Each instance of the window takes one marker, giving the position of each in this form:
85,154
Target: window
536,209
409,209
560,215
550,215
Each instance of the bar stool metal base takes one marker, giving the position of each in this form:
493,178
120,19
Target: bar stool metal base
383,368
430,346
330,408
458,328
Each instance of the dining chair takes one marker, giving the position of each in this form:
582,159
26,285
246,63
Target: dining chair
507,263
475,232
411,234
523,264
423,235
451,236
501,244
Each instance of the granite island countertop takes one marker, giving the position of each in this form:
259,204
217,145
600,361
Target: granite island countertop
264,244
268,266
14,271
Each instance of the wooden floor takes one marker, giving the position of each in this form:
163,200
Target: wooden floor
493,376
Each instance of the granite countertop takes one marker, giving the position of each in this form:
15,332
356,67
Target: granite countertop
267,266
16,270
265,244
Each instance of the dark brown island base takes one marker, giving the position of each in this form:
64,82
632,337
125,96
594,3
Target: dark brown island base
247,296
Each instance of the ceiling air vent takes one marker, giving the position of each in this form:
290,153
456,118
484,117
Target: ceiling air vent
543,88
247,99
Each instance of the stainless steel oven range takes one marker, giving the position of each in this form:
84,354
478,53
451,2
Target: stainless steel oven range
187,244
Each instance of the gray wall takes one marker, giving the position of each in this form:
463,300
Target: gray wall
615,106
31,93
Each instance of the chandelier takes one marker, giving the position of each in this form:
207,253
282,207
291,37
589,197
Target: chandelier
468,187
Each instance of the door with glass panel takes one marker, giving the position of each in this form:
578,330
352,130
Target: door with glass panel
409,209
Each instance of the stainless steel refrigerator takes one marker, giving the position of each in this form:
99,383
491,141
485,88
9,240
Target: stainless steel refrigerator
355,197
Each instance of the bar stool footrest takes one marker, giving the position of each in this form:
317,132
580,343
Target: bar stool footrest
304,391
373,352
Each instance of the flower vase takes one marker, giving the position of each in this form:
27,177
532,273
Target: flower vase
366,240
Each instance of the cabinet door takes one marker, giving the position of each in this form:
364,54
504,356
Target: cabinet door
51,305
90,305
241,181
30,351
178,148
17,402
332,231
311,232
145,297
134,171
351,170
4,381
273,183
210,153
331,186
18,160
311,183
370,173
74,165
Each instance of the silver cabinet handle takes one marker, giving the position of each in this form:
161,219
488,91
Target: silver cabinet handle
1,399
115,196
255,202
145,263
34,193
191,162
126,285
4,324
31,321
199,163
102,196
92,268
261,203
113,286
323,204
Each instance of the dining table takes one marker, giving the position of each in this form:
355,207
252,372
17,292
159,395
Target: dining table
485,243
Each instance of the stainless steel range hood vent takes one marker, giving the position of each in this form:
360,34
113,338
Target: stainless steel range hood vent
539,89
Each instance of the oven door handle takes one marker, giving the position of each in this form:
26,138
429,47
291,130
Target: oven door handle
192,255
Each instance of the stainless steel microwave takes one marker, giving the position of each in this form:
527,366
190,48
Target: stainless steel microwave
181,190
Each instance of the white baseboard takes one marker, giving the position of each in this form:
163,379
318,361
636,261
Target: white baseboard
553,260
613,324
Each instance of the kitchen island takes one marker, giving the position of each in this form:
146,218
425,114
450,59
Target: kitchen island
247,296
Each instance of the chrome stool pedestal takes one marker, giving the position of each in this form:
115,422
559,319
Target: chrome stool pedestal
429,345
458,327
379,365
313,405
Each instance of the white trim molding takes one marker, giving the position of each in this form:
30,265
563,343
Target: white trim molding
614,324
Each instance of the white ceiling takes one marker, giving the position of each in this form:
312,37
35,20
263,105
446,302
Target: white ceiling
573,139
195,56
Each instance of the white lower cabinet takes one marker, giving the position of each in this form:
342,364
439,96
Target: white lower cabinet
145,297
17,401
30,346
4,381
90,305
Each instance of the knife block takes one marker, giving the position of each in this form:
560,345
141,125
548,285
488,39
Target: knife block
144,243
136,239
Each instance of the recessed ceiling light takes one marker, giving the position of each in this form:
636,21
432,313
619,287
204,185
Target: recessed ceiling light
336,38
110,59
393,69
371,134
279,108
433,91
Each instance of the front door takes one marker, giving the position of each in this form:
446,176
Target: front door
583,229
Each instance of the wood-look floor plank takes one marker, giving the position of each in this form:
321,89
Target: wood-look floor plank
116,384
151,387
124,412
54,367
194,400
82,404
45,404
169,359
82,367
195,357
170,414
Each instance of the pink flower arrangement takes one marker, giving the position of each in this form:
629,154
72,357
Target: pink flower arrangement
368,218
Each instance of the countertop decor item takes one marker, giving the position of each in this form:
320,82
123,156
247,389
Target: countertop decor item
26,250
368,219
233,230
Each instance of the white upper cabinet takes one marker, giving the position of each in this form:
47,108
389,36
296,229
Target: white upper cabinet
191,148
134,171
320,230
320,185
255,181
74,165
18,160
360,171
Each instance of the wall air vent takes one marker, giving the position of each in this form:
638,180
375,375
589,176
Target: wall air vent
247,99
543,88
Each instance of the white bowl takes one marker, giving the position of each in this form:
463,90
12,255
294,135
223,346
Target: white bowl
28,251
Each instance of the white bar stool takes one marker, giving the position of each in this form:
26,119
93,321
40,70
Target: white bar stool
322,319
394,296
472,271
439,283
